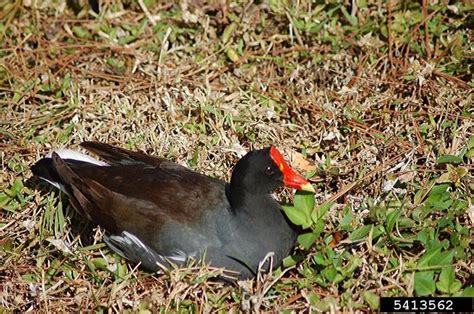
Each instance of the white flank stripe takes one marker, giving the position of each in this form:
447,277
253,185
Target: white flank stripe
74,155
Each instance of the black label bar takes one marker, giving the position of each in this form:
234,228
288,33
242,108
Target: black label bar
426,304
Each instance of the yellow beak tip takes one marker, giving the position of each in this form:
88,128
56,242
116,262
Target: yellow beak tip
308,188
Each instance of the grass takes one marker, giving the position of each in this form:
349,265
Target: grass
372,102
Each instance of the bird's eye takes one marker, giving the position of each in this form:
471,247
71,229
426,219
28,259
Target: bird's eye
269,171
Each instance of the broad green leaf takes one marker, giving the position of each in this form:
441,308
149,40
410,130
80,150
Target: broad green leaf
443,258
448,159
428,256
447,282
297,216
307,239
304,201
424,283
360,233
438,192
446,277
442,205
320,259
439,197
15,189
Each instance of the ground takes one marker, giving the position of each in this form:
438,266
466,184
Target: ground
372,100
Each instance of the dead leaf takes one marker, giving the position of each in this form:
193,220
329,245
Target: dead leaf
298,161
336,238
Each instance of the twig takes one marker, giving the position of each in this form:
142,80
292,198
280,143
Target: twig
451,78
350,186
421,148
389,33
147,13
425,23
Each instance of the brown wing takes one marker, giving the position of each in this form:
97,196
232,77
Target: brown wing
137,196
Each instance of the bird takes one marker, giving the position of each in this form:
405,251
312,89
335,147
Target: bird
160,214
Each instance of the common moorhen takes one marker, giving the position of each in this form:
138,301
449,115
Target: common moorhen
159,213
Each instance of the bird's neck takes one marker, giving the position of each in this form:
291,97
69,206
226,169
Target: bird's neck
241,199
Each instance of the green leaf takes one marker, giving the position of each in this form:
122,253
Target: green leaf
307,239
313,298
292,259
297,216
445,279
424,236
320,259
470,144
80,32
448,159
372,299
349,268
304,201
453,175
360,233
228,32
318,213
346,222
4,199
29,277
444,258
391,220
121,270
15,189
351,18
232,55
438,192
330,273
318,227
377,232
424,283
99,263
447,282
468,292
428,256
